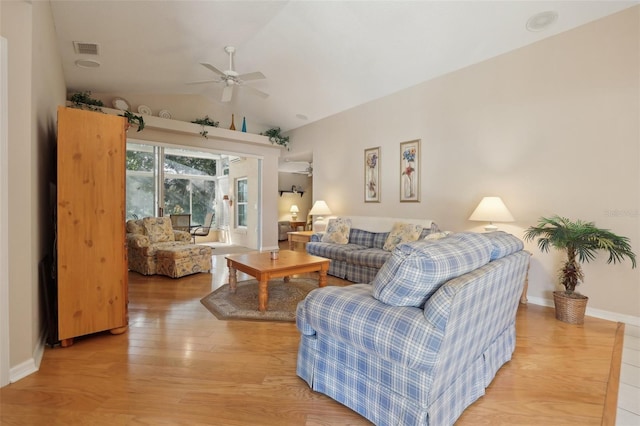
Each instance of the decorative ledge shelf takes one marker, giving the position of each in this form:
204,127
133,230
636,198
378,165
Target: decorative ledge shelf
292,192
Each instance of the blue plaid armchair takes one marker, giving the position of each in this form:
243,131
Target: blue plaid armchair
421,342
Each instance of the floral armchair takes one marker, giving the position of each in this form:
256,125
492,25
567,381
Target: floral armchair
146,236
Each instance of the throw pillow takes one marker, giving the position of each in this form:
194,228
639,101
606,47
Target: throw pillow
402,233
437,235
337,231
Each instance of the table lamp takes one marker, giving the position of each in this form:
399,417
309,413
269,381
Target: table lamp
294,212
319,209
491,209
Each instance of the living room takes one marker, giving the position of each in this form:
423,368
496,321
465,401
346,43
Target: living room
551,128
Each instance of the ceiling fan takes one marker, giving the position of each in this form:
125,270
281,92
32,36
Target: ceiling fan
307,171
231,78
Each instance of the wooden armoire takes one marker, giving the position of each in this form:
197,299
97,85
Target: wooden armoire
90,235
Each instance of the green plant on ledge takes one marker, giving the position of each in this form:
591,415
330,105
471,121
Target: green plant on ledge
276,138
206,121
84,100
134,119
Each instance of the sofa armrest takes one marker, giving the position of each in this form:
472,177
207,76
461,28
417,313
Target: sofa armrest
350,314
181,236
137,240
316,237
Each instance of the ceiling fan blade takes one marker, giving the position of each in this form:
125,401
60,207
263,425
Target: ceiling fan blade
255,91
252,76
212,68
203,81
227,93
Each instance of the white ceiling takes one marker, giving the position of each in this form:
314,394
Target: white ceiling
319,57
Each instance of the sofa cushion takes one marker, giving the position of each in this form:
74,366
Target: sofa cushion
337,231
402,233
417,269
330,250
503,244
361,237
379,238
371,257
158,229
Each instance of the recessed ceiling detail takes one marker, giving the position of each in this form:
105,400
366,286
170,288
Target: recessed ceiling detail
87,63
542,20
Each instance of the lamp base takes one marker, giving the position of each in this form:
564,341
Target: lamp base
491,228
320,225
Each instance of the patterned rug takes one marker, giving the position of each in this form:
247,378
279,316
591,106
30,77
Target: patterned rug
243,305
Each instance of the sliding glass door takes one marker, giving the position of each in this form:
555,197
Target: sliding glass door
187,182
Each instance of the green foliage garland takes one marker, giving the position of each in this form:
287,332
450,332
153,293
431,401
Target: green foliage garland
276,138
206,121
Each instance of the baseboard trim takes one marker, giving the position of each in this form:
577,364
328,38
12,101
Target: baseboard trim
29,366
597,313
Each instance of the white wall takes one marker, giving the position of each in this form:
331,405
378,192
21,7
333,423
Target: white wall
551,128
36,87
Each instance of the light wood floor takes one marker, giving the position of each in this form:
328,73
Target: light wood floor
178,364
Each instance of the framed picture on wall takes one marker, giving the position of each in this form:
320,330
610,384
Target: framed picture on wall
410,171
372,175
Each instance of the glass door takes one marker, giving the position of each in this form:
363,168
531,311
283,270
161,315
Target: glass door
187,182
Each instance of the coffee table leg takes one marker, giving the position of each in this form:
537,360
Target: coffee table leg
233,280
322,279
263,295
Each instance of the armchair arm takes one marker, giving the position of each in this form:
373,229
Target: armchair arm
182,236
137,240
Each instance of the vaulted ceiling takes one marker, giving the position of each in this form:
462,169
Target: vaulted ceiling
318,57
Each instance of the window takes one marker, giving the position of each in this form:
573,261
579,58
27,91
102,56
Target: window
187,184
140,182
242,187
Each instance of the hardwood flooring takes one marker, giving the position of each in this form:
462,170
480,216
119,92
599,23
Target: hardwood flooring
178,364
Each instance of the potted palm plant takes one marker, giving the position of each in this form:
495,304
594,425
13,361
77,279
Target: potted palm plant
580,240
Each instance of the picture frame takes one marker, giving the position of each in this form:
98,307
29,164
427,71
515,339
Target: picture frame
372,175
410,171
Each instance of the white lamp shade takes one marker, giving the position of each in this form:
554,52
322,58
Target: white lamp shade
319,208
491,209
294,209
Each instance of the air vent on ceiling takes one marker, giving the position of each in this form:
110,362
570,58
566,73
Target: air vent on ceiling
84,48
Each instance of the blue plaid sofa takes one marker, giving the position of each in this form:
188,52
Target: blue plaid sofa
421,342
362,257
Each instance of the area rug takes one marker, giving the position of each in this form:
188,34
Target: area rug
243,305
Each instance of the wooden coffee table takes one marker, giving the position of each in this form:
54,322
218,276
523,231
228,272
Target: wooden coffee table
263,268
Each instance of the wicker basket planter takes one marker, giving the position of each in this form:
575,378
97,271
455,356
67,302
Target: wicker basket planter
570,309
